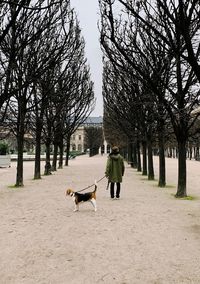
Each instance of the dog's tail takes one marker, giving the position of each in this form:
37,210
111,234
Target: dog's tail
95,184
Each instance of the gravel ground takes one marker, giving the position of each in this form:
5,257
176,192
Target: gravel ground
147,236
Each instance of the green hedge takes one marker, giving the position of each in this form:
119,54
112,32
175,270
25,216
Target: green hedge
3,148
76,153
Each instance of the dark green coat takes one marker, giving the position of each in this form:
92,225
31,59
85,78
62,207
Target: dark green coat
115,167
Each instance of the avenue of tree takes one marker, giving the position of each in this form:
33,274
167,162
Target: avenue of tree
151,79
45,82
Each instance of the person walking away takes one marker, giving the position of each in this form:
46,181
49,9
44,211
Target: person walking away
114,171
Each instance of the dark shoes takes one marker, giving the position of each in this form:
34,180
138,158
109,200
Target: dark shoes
117,198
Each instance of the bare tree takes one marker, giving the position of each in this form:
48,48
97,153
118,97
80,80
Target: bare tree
49,84
181,16
76,105
180,96
11,15
93,139
30,37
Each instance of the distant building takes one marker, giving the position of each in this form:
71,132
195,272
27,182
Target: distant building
94,121
77,142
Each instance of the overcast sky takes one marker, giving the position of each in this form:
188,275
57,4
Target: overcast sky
87,11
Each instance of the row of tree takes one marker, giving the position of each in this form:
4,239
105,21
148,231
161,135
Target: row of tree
94,139
151,77
45,83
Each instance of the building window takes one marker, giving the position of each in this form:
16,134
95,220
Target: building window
80,147
108,149
79,137
73,147
74,137
102,149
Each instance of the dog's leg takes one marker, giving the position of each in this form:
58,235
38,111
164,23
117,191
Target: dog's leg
94,203
76,207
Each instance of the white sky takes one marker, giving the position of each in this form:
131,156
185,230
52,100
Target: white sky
88,16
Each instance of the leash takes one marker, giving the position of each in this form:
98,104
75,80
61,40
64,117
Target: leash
108,185
91,185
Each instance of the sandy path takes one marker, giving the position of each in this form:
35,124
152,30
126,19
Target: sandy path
146,237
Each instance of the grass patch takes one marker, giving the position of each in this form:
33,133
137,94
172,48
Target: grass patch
164,187
189,197
170,186
146,179
138,173
14,187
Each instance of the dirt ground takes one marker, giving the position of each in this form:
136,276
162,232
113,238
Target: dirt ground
146,237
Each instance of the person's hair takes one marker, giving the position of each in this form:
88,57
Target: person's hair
115,149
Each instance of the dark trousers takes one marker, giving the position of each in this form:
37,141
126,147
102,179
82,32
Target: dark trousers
112,191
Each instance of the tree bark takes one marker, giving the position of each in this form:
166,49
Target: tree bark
181,190
47,169
144,158
55,154
20,142
139,166
135,161
37,173
162,174
67,152
150,159
60,163
130,154
20,147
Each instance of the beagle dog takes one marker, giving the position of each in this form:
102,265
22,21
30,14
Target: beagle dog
82,197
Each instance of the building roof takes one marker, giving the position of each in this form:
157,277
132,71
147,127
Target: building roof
93,120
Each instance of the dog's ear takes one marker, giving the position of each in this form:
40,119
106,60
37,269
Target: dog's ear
69,191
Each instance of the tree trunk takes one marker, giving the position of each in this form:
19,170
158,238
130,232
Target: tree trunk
144,158
67,153
130,154
162,175
170,152
20,143
190,152
60,163
91,152
150,160
139,167
162,172
20,147
37,173
47,169
135,161
181,190
55,154
197,153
